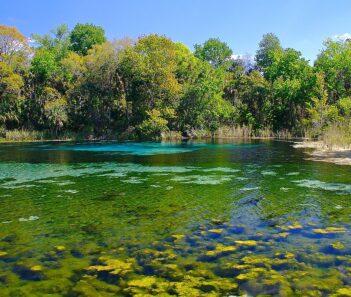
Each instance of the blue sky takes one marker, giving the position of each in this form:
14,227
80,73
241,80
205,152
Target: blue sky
301,24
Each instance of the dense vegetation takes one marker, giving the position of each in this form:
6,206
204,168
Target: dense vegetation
79,82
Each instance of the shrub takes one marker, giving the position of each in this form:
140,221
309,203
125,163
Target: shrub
154,126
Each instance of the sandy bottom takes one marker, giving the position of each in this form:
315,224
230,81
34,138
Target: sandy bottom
325,153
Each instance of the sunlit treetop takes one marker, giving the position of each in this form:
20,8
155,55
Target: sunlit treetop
214,51
84,36
11,41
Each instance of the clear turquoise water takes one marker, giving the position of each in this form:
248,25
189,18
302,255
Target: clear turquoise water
172,219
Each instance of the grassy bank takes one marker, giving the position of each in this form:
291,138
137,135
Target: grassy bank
338,135
23,135
32,136
335,136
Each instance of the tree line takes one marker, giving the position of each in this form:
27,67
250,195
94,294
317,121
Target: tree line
79,81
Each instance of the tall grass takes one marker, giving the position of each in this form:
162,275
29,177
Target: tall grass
337,135
248,132
223,132
32,135
171,135
24,135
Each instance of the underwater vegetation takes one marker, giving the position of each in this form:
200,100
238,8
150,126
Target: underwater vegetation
217,259
205,222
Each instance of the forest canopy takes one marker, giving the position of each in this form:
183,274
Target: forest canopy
78,81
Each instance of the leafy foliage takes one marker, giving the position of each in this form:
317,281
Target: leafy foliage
84,36
213,51
78,81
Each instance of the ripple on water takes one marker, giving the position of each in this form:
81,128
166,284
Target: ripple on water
18,174
293,173
317,184
249,188
269,172
202,179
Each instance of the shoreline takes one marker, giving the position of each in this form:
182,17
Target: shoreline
321,152
317,151
5,141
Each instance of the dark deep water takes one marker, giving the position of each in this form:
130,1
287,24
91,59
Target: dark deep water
172,219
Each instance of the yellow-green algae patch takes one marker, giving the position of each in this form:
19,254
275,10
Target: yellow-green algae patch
280,235
246,242
221,249
295,226
113,266
216,231
343,292
338,246
330,230
60,248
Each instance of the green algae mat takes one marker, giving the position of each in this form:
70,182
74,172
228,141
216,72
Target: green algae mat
226,218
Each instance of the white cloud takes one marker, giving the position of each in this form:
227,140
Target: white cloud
245,57
342,37
248,60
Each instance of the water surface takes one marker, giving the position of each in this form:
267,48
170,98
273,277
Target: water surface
172,219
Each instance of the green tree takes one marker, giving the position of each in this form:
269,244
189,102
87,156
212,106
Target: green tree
14,52
46,73
203,106
51,50
11,99
149,69
344,105
95,98
320,114
84,36
14,48
269,47
216,52
255,95
335,62
54,110
293,84
153,126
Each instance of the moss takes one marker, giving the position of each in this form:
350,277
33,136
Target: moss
60,248
295,226
184,290
217,285
36,268
318,280
168,271
220,250
84,289
145,282
337,246
89,284
3,254
286,255
343,292
329,230
113,266
251,275
29,270
257,260
46,287
319,259
160,256
217,221
197,286
177,237
216,231
246,242
280,235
